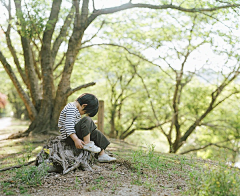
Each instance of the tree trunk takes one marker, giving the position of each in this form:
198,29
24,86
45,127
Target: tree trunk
61,157
43,102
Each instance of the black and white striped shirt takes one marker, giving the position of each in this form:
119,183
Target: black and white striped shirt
68,118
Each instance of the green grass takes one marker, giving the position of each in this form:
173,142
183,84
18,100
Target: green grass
23,178
152,170
218,180
18,151
31,175
202,179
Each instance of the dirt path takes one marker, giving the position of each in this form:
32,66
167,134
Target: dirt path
4,123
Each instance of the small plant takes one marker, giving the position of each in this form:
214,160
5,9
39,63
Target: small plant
149,185
114,167
32,175
77,182
99,179
9,192
22,189
114,187
219,181
99,184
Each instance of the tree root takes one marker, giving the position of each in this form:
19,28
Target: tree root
58,154
16,166
18,135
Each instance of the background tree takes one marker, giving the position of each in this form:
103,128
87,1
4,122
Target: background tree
17,105
218,137
41,61
188,106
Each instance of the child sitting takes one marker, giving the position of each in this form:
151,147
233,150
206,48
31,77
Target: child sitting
82,132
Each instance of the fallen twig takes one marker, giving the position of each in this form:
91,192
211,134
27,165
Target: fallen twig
17,166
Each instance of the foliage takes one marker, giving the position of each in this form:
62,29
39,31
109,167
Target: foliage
214,180
154,172
179,96
31,175
157,72
218,136
17,105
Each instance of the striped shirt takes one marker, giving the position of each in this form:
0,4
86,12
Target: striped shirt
68,118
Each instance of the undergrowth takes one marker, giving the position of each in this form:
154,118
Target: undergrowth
149,169
202,179
31,175
25,177
220,180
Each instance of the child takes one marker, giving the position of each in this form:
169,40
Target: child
82,132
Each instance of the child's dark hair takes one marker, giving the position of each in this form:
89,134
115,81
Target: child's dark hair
92,103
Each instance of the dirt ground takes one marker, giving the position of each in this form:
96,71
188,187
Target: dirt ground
117,178
105,180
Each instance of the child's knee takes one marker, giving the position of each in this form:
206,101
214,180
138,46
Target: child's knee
86,118
86,121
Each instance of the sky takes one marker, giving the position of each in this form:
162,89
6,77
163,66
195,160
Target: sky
198,58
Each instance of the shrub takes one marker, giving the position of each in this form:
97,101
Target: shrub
218,180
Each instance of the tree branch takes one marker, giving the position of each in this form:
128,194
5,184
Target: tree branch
103,22
149,97
60,62
71,91
12,49
17,166
62,34
46,52
142,129
27,102
137,55
210,144
231,76
32,80
130,5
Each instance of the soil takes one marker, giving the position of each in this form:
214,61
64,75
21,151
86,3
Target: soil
106,179
116,178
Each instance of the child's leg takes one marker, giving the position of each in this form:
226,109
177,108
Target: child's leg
86,139
84,128
101,153
99,139
86,131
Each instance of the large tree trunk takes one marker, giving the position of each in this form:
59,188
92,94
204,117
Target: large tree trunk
43,102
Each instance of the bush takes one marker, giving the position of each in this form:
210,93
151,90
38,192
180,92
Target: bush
218,180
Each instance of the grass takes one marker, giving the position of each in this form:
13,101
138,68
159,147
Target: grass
24,178
203,178
218,180
151,170
31,175
18,151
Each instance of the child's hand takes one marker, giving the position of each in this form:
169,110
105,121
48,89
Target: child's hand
79,143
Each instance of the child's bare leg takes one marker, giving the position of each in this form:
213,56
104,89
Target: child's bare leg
86,139
102,152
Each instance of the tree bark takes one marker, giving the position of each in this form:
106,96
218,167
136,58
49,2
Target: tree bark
45,103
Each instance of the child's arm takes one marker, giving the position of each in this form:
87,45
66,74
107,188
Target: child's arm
78,143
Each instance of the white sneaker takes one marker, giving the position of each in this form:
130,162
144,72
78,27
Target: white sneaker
91,147
105,158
